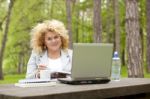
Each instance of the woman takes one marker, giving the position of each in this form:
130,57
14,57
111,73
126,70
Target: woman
49,41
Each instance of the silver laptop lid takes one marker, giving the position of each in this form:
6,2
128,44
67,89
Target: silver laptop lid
91,60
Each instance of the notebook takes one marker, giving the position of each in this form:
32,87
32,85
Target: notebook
24,85
91,63
36,82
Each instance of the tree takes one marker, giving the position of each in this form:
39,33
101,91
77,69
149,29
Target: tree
75,10
148,34
142,20
133,40
97,21
69,21
117,26
5,37
109,28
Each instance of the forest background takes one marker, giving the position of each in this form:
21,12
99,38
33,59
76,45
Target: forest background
121,22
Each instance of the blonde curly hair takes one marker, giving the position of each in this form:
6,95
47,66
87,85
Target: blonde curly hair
39,31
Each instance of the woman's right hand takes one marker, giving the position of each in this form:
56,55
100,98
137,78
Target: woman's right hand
40,67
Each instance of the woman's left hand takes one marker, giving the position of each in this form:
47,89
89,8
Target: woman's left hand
58,75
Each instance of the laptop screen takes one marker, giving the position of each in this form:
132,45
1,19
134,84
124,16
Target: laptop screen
91,60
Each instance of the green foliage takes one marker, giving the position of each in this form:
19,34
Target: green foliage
24,16
3,9
27,13
82,21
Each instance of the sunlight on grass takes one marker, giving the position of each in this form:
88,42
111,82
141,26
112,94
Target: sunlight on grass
8,79
146,75
124,72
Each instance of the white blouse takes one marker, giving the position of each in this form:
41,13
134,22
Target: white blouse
55,65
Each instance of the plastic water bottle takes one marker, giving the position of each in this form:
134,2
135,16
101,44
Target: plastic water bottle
116,67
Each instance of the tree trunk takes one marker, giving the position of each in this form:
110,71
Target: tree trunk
5,37
20,63
142,43
133,40
83,27
117,27
77,27
1,22
108,21
97,21
76,23
148,34
123,58
69,21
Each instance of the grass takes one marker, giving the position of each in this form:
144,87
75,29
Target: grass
124,72
11,79
146,75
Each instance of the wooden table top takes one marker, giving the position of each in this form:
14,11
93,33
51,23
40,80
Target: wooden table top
126,86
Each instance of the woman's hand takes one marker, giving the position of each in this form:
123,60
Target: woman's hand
58,75
40,67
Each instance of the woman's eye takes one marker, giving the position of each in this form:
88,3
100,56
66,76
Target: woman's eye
49,39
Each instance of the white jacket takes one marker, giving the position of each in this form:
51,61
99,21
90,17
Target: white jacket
35,59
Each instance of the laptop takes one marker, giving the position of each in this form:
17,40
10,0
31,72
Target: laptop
91,63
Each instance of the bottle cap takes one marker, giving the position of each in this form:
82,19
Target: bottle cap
116,54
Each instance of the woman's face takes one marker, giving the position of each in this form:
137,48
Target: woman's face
53,41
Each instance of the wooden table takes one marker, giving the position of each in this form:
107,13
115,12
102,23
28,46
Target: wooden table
125,88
